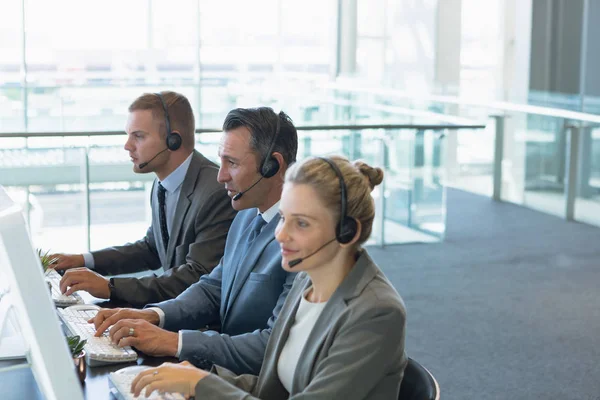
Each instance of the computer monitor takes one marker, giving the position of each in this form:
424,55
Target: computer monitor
29,299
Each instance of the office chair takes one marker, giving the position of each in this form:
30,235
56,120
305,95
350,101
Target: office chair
418,383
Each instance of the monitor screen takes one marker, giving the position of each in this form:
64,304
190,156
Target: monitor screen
25,293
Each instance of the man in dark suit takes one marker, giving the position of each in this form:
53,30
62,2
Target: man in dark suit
242,296
191,212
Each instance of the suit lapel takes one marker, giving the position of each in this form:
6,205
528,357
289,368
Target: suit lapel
361,274
310,352
233,256
269,382
183,204
288,317
247,262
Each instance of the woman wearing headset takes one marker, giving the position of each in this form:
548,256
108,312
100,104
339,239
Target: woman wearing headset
340,333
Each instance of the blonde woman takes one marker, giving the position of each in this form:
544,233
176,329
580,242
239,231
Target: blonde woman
340,333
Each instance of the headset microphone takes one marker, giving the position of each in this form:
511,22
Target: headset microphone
143,165
240,194
297,261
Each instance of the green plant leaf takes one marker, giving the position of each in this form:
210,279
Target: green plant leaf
75,345
45,259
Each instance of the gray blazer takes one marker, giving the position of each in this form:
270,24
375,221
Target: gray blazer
241,298
354,351
202,218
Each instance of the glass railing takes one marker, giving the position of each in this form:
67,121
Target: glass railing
79,192
544,158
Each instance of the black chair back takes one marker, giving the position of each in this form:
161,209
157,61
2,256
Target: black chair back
418,383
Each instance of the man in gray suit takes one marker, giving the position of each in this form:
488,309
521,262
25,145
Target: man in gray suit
242,296
191,212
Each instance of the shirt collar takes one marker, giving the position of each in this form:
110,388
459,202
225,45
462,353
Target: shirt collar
270,213
175,178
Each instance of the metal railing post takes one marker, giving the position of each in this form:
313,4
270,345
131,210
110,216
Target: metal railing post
380,217
572,170
85,177
498,157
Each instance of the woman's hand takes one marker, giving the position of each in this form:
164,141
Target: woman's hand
174,378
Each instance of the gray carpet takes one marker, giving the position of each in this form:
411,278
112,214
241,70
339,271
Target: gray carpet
508,307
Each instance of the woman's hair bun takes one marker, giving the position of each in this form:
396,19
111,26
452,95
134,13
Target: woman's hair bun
374,176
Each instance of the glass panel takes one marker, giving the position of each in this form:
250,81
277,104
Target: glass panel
481,49
48,183
545,164
119,198
472,164
587,203
11,101
47,176
413,187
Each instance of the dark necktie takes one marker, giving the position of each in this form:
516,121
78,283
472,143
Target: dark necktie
257,223
162,214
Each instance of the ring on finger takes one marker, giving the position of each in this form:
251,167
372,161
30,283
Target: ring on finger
131,331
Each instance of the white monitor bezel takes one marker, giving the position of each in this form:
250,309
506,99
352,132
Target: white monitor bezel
47,354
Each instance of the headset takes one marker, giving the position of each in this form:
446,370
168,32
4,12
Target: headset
347,227
270,166
173,138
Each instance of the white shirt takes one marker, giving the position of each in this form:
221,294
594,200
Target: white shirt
270,213
305,320
172,185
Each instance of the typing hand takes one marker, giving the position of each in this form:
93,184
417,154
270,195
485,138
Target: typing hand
84,279
107,317
145,337
179,378
67,261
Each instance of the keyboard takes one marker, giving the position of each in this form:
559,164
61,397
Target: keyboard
60,299
120,385
99,350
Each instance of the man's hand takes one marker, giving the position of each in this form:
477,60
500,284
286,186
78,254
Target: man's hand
107,317
84,279
171,378
67,261
145,337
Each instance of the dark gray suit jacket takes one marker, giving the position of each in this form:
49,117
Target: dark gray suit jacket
355,350
242,295
202,219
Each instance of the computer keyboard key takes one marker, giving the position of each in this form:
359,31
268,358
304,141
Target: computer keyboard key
100,350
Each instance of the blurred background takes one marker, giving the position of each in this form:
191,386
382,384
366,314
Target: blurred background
517,77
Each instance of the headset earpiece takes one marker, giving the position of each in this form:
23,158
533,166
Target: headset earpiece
347,226
270,165
173,141
173,138
346,230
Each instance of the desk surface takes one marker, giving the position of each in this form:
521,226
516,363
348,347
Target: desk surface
20,384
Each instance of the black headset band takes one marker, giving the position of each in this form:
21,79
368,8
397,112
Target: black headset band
340,177
167,118
272,145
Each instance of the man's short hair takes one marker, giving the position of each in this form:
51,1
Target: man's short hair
262,124
180,112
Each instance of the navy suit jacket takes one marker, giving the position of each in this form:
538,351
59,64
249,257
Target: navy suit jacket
242,295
